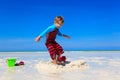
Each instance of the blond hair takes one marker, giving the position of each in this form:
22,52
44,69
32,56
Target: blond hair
59,19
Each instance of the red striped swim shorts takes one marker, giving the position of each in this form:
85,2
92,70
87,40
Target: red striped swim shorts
54,49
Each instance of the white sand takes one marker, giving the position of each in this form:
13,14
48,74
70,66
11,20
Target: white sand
98,66
49,67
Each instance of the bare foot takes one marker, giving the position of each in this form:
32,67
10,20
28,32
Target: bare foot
61,63
54,62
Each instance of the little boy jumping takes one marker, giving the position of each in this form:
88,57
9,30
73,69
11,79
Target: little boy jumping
51,32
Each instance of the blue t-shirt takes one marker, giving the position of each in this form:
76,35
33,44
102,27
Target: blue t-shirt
50,29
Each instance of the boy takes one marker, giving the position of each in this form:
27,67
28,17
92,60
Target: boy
53,47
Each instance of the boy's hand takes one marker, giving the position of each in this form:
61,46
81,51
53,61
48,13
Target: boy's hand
37,39
66,36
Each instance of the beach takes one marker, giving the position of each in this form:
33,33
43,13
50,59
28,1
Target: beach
99,65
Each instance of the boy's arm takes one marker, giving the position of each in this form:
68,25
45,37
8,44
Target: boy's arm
41,35
38,39
66,36
49,29
45,31
59,33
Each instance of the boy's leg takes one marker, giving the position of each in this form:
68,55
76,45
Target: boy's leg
57,57
52,50
54,61
59,50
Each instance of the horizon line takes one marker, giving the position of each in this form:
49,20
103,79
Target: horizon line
47,50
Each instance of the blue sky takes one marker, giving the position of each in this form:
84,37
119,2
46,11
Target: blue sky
92,24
